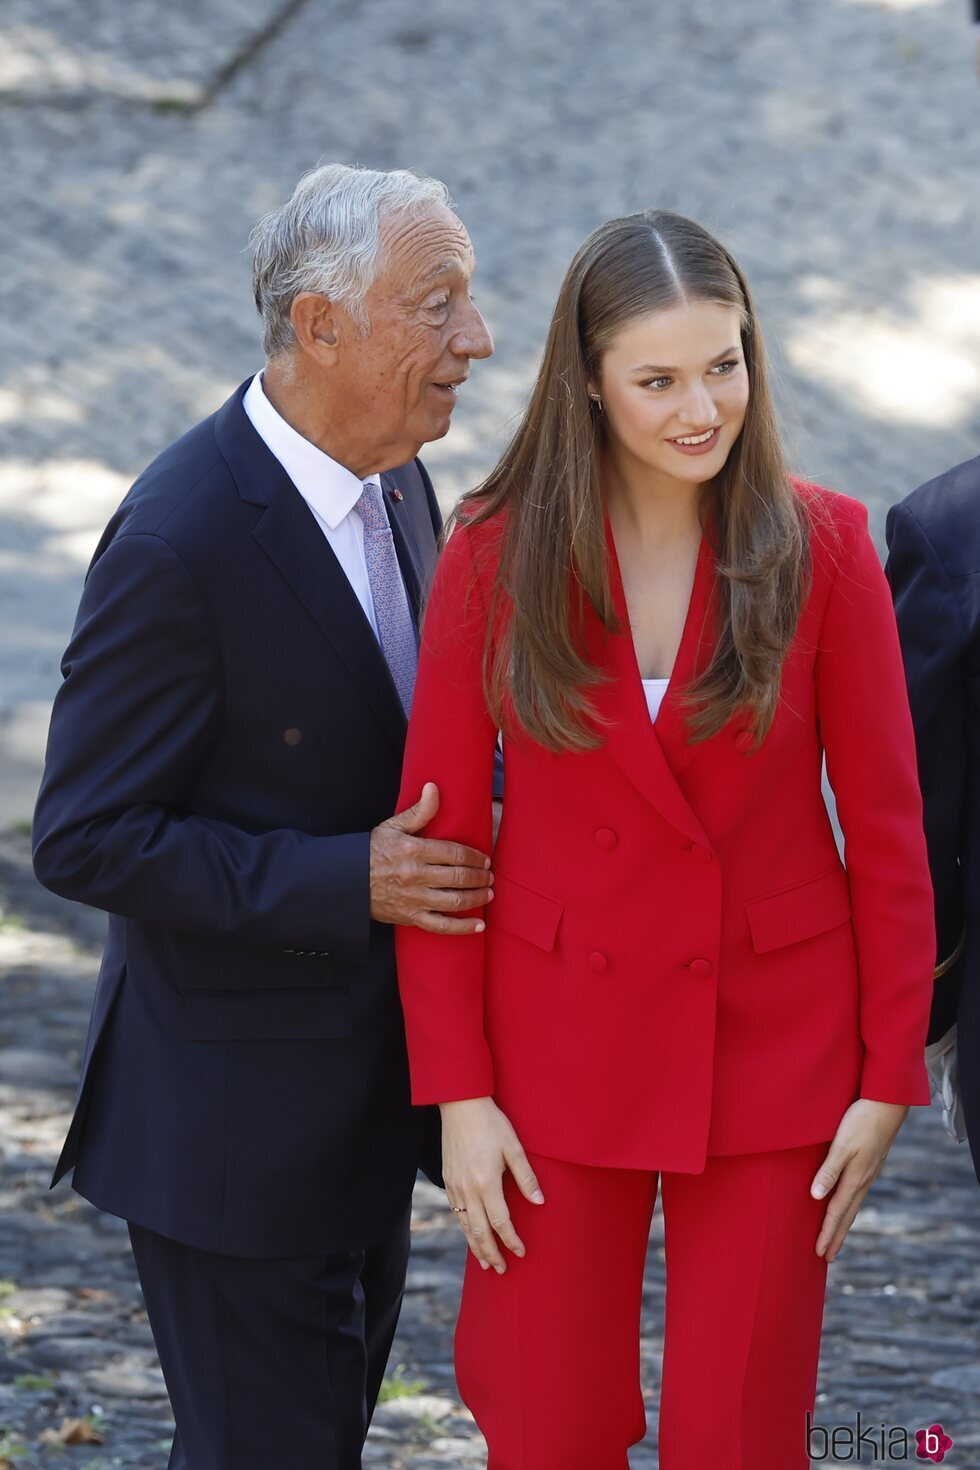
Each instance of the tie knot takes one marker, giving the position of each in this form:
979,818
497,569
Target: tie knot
370,507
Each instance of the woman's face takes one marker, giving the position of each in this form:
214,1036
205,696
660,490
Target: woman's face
674,390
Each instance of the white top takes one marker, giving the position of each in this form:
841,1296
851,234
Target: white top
654,689
329,489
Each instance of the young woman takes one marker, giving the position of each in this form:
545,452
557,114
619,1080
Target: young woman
677,981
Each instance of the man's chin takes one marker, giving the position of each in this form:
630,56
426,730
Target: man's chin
439,427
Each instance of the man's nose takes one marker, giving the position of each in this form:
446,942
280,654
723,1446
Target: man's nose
474,339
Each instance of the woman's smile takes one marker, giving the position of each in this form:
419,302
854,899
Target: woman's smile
697,443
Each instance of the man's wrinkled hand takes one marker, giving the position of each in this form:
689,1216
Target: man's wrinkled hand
425,881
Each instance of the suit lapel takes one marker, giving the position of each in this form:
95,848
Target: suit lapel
290,536
693,656
406,546
630,738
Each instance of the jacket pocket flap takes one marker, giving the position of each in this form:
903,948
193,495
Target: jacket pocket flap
270,1015
525,913
799,913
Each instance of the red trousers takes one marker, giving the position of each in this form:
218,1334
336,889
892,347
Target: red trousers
547,1355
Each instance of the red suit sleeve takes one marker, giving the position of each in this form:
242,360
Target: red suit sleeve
866,728
451,741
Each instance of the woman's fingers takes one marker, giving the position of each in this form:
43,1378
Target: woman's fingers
842,1210
500,1221
479,1235
462,1215
524,1176
830,1170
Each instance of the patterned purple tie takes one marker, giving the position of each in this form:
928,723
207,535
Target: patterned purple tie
396,630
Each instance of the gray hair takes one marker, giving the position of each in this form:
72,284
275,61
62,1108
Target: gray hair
327,238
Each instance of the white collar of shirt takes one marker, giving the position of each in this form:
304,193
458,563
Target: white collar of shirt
329,488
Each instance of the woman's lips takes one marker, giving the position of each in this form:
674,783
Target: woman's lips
702,445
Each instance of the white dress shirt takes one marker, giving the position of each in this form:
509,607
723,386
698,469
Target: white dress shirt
329,489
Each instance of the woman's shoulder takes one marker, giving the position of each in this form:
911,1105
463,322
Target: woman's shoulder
477,533
837,524
474,515
830,510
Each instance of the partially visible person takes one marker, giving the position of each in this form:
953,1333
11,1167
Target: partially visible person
679,987
934,570
222,769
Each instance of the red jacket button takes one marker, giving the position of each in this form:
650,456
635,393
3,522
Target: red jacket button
703,854
744,741
701,968
606,837
598,962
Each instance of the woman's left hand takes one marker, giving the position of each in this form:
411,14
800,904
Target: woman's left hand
865,1134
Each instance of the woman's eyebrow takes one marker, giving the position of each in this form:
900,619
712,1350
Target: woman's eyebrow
649,367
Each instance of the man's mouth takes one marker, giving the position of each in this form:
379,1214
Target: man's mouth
451,385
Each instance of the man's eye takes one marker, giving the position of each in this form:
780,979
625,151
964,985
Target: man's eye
439,304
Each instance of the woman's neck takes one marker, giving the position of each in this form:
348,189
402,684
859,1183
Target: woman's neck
649,509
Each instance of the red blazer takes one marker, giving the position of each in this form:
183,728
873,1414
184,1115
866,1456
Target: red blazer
675,963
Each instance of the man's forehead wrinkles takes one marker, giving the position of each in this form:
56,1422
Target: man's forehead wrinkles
462,265
435,238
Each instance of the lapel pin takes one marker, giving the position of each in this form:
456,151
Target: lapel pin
397,495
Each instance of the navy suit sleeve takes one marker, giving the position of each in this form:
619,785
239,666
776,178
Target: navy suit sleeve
132,725
933,646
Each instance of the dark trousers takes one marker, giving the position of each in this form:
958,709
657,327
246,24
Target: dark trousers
271,1363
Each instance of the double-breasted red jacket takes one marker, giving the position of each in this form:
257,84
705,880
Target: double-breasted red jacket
675,962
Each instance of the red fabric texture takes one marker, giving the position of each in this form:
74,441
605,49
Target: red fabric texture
547,1355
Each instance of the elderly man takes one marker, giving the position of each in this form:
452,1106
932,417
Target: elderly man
222,768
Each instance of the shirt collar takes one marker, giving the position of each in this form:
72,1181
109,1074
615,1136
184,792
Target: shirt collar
329,488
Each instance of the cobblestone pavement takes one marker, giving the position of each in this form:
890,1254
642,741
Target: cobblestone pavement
833,146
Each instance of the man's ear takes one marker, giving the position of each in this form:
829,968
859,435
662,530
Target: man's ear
315,324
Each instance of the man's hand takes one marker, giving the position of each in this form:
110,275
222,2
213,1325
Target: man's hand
422,881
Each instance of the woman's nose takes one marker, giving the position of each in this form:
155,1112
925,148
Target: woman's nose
698,406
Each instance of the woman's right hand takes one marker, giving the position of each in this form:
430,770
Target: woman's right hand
478,1147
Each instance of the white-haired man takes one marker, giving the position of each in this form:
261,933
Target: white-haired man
223,764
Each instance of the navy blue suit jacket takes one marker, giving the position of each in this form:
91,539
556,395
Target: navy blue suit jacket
226,736
934,569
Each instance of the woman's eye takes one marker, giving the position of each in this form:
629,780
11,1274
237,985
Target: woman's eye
724,368
658,384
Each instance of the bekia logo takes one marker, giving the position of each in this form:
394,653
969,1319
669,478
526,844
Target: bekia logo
875,1443
932,1444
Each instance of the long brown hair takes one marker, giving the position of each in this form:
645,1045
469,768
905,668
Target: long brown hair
547,484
